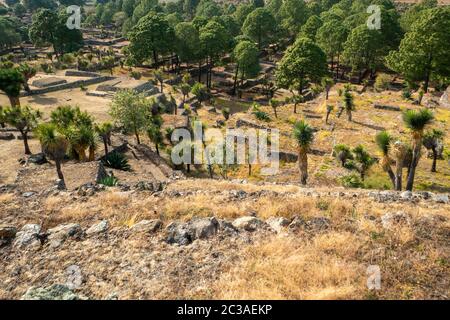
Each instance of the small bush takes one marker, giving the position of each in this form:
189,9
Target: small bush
116,160
406,94
47,68
68,58
226,113
382,82
135,75
110,181
261,115
351,181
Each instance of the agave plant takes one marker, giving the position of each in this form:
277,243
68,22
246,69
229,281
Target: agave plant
116,160
109,181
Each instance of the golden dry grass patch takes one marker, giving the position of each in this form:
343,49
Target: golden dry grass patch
283,268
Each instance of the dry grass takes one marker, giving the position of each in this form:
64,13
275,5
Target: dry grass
285,268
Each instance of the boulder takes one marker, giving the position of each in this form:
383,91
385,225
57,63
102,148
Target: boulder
7,232
59,234
203,228
278,223
248,223
178,233
54,292
28,236
38,158
445,98
147,226
97,228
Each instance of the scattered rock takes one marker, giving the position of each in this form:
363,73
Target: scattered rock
6,136
28,236
179,233
389,220
7,232
406,195
297,223
59,234
441,198
38,158
54,292
278,223
318,223
100,227
147,226
203,228
28,194
248,223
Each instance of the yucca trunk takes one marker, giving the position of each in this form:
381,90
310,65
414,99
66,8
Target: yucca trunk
105,143
81,154
385,164
25,142
349,115
435,155
417,142
58,170
91,153
399,152
303,165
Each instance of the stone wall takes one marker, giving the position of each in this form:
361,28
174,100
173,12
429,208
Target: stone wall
71,85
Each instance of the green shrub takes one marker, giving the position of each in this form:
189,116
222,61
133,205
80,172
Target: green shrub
109,181
68,58
47,68
136,75
406,94
382,82
351,181
261,115
116,160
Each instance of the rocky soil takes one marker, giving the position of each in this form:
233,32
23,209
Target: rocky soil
222,239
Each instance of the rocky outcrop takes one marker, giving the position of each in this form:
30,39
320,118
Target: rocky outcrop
28,236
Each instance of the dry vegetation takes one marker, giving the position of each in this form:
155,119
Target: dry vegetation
326,263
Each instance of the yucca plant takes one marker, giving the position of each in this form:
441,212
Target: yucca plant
330,109
226,113
349,105
274,104
363,159
343,153
431,141
24,119
54,144
104,131
154,133
416,121
116,160
384,141
327,83
304,136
